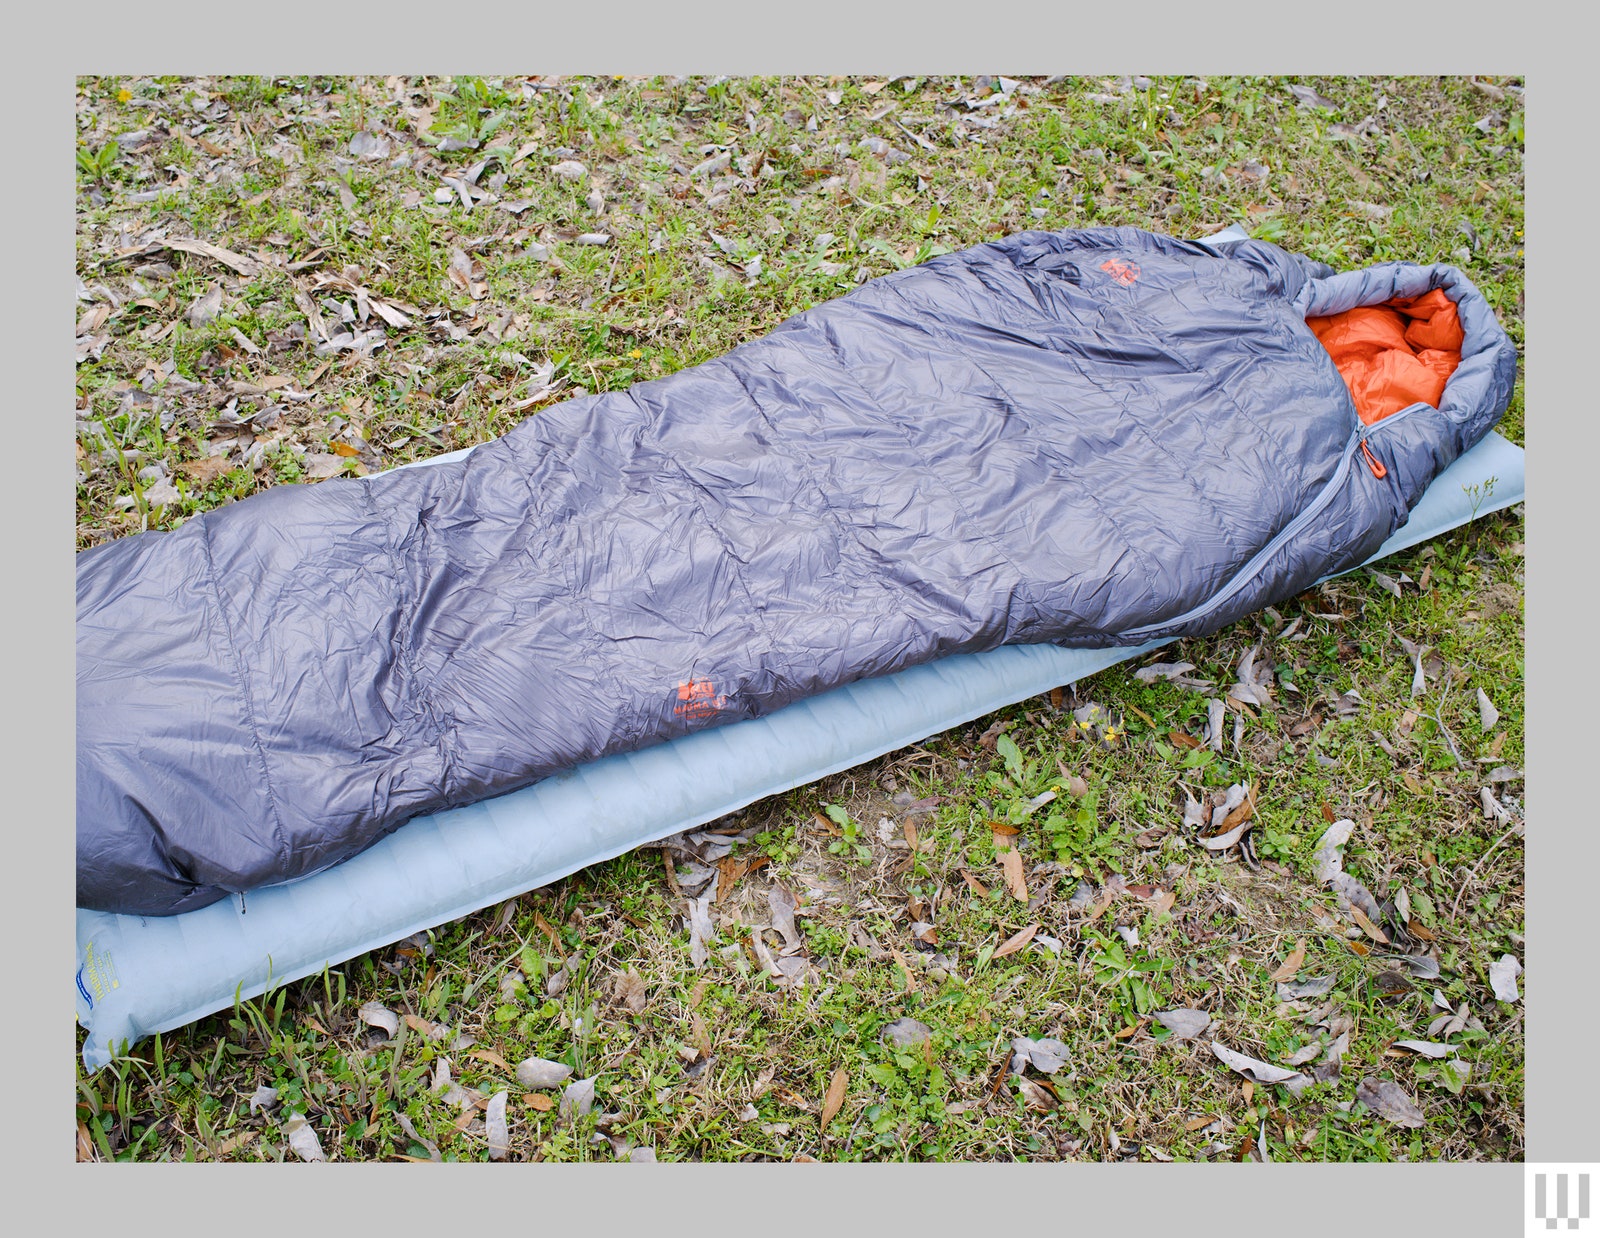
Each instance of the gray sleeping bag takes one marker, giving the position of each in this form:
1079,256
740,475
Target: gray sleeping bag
1093,438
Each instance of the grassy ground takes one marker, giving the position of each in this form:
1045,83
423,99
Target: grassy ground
397,267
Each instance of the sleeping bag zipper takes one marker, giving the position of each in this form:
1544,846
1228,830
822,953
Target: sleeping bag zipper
1357,442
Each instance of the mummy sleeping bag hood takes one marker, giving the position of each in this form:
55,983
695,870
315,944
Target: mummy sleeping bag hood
1093,438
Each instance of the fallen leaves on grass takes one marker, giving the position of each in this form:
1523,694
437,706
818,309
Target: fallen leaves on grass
905,1032
1427,1048
416,1137
1291,965
732,869
782,906
1047,1055
1258,1071
1300,989
1388,583
1503,973
206,307
467,274
303,1138
628,990
1017,940
1488,715
1172,672
380,1016
1493,809
1231,818
189,245
1389,1101
577,1098
1215,710
1253,683
835,1096
499,1133
1420,966
1011,866
1307,97
1365,923
700,929
1328,859
1184,1023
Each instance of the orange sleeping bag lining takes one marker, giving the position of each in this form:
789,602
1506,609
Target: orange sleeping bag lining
1395,354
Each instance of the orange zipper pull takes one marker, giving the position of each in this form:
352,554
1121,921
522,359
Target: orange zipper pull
1373,463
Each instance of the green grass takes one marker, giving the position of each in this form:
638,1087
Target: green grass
823,208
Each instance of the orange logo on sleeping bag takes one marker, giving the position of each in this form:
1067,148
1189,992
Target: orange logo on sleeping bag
698,698
1124,273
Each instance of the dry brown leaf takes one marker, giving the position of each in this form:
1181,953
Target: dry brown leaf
1016,941
314,321
782,906
790,1097
1242,813
539,1101
1367,926
1419,930
205,470
909,827
911,984
630,991
1148,720
700,1035
493,1058
379,1016
835,1097
729,870
233,1143
1291,965
1011,865
1101,907
549,931
1390,1101
216,253
978,888
1038,1094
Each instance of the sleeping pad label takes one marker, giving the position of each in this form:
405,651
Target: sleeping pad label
97,975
